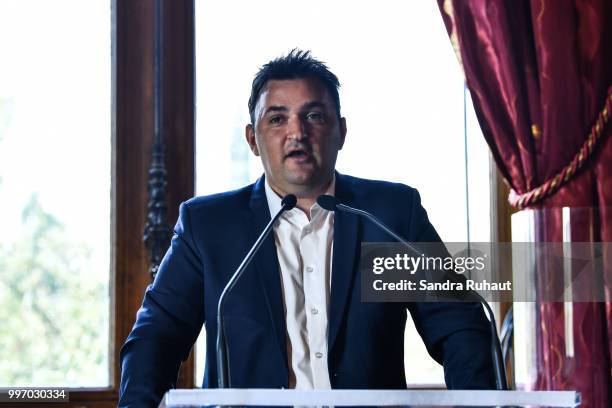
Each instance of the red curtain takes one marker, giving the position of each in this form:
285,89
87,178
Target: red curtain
539,73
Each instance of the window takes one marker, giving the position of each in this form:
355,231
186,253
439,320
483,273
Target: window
55,190
402,94
83,70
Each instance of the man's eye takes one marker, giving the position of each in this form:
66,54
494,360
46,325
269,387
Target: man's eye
314,116
274,120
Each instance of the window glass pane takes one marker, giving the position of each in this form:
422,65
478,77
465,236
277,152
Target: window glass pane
402,95
55,155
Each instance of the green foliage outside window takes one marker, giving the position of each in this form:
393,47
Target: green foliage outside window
53,317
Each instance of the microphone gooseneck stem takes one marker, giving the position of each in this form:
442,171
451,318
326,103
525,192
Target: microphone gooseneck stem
501,382
380,225
223,371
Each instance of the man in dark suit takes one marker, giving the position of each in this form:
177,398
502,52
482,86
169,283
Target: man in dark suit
296,318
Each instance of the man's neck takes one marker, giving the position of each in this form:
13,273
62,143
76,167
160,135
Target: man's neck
305,204
305,199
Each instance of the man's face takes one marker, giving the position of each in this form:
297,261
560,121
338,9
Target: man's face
297,134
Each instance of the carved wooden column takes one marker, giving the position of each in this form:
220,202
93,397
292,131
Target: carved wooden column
157,230
144,143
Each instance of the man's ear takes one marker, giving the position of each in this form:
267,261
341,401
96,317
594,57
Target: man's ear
342,132
249,133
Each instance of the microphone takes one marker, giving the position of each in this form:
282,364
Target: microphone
331,203
223,372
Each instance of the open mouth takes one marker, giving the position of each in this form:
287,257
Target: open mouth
297,154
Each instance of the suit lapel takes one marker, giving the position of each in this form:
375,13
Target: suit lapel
266,262
346,240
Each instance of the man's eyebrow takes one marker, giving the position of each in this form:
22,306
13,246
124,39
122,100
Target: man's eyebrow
275,108
314,104
280,108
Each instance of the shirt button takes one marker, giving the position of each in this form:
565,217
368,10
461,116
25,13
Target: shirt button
309,269
307,230
314,311
318,354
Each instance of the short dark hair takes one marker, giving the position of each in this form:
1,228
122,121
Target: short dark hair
295,65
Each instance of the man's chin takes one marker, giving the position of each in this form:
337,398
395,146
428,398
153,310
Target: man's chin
304,183
301,182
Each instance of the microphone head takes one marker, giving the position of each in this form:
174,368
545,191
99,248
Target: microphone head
328,202
288,202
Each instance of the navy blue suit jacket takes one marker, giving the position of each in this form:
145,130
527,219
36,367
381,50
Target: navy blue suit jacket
365,340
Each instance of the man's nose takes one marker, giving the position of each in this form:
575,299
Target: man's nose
297,129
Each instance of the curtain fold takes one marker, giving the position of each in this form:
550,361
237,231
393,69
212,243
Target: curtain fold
540,73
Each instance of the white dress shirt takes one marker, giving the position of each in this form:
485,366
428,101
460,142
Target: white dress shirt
304,251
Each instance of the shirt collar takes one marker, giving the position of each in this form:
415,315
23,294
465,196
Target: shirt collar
275,202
